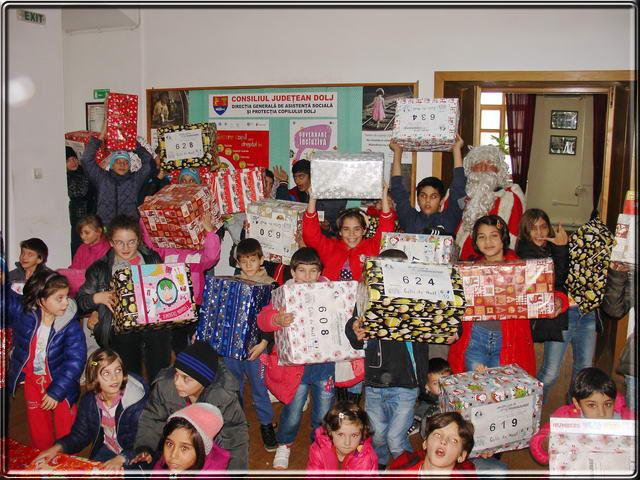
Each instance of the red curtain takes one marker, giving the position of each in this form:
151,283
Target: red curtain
599,123
521,109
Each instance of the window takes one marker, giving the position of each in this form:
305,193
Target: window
493,121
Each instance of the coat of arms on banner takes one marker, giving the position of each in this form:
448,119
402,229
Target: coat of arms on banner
220,104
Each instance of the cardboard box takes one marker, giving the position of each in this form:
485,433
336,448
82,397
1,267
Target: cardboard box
515,289
227,319
192,145
153,296
275,223
594,447
321,311
411,301
624,249
426,124
122,121
336,175
174,217
233,190
504,404
421,248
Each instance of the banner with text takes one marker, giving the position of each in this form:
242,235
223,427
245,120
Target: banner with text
243,143
292,104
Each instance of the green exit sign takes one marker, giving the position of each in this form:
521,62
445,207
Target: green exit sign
32,17
100,93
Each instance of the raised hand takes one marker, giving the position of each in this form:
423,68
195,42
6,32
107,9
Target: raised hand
280,174
283,319
560,238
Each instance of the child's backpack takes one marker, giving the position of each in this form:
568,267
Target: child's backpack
589,252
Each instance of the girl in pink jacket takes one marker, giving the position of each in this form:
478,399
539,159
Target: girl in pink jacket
593,395
343,442
94,243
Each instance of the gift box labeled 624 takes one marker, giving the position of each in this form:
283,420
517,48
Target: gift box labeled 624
503,403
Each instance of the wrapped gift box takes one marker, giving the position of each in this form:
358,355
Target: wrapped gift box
174,217
275,223
515,289
426,124
594,447
321,311
79,140
411,301
192,145
503,403
122,121
589,254
347,175
5,348
153,296
75,277
20,456
624,249
235,189
228,315
422,248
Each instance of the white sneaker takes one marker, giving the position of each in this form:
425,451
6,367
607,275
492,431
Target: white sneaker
281,460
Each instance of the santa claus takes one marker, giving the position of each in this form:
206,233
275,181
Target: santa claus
489,192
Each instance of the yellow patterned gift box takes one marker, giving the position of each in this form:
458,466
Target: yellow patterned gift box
192,145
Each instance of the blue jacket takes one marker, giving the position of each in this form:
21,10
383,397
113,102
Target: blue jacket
117,194
414,221
66,348
87,429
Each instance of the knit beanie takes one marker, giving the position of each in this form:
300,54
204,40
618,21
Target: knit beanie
200,361
191,172
205,418
69,152
301,166
119,154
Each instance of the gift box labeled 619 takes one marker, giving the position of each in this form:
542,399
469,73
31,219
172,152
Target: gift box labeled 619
504,404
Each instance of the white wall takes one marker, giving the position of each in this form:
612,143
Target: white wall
38,208
215,47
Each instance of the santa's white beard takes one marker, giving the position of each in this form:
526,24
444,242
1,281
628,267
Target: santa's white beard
481,192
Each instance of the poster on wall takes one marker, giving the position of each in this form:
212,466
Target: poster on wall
379,105
379,142
169,107
243,143
308,136
285,104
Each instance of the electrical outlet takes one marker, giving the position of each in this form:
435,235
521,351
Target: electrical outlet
37,173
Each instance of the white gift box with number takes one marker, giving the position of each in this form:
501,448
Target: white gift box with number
426,124
421,248
336,175
321,310
274,223
595,447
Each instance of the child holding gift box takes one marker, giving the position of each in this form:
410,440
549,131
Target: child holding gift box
117,187
107,413
393,372
343,442
448,440
126,250
430,192
48,354
593,395
291,384
250,258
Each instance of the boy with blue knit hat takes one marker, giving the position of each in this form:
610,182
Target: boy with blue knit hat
196,376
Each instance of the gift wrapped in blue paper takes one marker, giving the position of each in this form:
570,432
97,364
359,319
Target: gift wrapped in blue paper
227,319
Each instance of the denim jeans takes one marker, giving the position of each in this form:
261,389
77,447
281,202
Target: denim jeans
581,334
483,465
483,348
322,392
255,373
390,412
630,396
103,454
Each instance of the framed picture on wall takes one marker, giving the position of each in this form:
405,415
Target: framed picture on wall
94,116
560,145
564,119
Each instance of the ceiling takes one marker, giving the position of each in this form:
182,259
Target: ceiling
95,19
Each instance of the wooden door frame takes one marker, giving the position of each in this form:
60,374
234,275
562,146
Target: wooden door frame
586,81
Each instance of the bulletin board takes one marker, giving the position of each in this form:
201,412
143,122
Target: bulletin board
270,126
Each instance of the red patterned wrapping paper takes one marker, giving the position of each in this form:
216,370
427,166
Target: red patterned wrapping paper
122,121
235,189
78,141
174,216
5,348
519,289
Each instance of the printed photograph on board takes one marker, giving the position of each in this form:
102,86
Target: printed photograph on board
379,105
169,107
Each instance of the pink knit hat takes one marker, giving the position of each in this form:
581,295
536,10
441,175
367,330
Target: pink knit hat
205,418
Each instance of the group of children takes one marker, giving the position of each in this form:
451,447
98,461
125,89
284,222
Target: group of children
192,416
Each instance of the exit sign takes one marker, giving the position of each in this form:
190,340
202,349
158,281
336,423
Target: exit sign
100,93
32,17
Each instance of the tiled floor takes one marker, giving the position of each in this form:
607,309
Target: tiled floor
259,459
